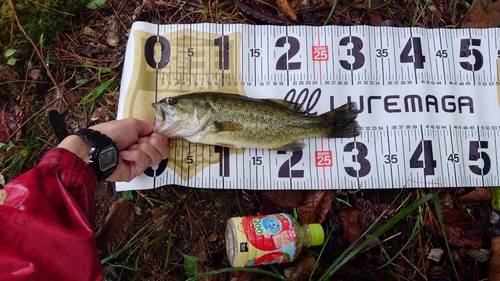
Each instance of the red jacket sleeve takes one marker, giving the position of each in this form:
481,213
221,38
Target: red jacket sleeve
45,224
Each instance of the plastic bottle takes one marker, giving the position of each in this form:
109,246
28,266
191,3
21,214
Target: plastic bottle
277,238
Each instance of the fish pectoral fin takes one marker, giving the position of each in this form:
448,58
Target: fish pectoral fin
293,146
292,106
227,126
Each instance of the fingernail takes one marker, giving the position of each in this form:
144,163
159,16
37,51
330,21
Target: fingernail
124,153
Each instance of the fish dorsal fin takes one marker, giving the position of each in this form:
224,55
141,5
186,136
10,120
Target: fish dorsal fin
292,106
228,126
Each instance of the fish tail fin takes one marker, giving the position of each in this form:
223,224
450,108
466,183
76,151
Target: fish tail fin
342,121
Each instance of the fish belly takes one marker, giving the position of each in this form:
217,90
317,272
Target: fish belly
268,130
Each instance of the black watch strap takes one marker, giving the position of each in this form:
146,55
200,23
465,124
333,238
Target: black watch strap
57,125
103,156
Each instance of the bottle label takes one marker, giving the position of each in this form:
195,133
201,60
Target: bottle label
266,239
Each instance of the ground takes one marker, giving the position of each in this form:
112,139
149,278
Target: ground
176,233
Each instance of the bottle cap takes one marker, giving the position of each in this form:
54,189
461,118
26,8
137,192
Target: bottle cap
317,234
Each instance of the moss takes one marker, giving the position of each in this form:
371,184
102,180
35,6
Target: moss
47,17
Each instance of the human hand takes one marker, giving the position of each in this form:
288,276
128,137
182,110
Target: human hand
139,148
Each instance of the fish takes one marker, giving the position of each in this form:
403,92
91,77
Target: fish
238,121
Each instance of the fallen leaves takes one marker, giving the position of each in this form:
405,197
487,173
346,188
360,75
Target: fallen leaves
315,206
477,195
286,8
11,118
455,226
351,230
312,205
357,220
494,270
115,227
284,198
301,269
259,13
483,14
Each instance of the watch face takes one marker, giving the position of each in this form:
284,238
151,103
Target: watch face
107,158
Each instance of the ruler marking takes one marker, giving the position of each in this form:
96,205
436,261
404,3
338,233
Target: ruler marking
461,138
382,62
376,136
337,162
431,77
456,139
473,68
319,62
442,60
350,53
440,135
156,87
481,155
423,152
496,157
355,159
254,29
390,154
490,70
453,153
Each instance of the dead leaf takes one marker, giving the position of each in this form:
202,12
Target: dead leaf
455,226
259,13
484,14
3,196
301,269
100,114
113,33
368,213
435,7
480,255
55,101
494,270
476,196
284,198
241,276
111,101
315,206
114,229
375,19
351,230
11,117
205,268
483,223
458,256
286,8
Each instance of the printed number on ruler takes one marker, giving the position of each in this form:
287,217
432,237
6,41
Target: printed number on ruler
441,61
319,68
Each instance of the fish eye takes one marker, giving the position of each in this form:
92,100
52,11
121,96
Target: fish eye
171,101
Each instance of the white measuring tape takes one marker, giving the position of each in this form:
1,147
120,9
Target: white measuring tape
428,102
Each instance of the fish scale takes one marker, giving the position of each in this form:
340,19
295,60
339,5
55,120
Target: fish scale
240,122
428,102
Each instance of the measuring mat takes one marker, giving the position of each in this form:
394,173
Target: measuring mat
428,99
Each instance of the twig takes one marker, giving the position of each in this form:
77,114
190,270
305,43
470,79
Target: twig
39,54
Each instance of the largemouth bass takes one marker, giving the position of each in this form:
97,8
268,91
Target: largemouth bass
241,122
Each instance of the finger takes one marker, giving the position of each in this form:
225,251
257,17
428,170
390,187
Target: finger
145,155
122,172
160,143
144,128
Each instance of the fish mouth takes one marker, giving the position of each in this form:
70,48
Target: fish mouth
164,125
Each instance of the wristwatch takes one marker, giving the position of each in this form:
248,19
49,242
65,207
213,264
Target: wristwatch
103,156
